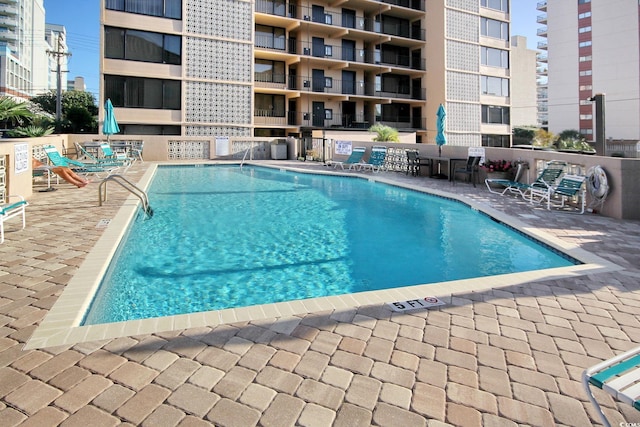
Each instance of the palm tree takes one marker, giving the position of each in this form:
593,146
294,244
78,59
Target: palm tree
13,112
385,133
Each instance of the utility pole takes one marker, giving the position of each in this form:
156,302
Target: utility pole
601,148
59,54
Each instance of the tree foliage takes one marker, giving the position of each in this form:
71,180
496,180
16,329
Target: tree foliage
12,112
384,133
79,110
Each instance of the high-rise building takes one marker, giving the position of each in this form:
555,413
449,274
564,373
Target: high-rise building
524,61
593,47
22,48
77,84
56,38
275,68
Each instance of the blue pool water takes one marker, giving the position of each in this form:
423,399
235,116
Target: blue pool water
222,237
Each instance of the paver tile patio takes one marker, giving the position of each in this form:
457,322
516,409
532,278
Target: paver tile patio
503,357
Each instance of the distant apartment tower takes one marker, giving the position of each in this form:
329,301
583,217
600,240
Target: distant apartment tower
593,47
77,84
57,51
22,48
276,68
524,66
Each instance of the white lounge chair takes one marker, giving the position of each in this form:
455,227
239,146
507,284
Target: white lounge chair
10,210
618,376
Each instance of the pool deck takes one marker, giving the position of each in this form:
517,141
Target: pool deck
498,357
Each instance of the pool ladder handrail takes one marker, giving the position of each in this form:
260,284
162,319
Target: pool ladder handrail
245,156
129,186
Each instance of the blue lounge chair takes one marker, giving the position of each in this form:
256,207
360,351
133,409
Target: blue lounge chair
569,187
11,210
548,177
58,159
117,156
618,376
353,160
101,161
376,159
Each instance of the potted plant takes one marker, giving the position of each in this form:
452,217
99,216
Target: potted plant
498,169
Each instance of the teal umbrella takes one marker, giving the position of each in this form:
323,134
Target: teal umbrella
440,125
110,125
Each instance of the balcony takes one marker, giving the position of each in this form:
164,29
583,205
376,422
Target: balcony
8,36
8,9
542,19
409,4
542,57
542,6
542,45
326,120
542,32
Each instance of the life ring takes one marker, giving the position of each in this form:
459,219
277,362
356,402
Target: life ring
597,182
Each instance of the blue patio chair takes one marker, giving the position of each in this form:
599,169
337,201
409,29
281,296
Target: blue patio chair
376,159
58,159
353,160
547,177
569,187
619,376
11,210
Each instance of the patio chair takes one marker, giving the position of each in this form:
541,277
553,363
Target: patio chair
619,376
58,159
83,154
11,210
413,162
547,178
470,170
514,185
376,159
570,186
353,160
109,154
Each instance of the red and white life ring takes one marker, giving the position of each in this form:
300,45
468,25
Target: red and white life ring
597,184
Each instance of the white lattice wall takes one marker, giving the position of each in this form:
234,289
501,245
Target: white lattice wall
463,87
463,26
228,19
188,150
218,103
217,131
463,56
464,139
463,117
218,49
470,5
207,60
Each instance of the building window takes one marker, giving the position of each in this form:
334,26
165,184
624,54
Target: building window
328,51
496,141
584,15
584,1
502,5
145,46
585,58
584,29
586,116
495,115
267,71
328,114
268,105
586,73
586,131
495,57
586,87
138,92
164,8
495,29
328,82
150,130
495,86
585,44
270,37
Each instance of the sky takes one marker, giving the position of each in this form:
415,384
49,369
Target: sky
81,19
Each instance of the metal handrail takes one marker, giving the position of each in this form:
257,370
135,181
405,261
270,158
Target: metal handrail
129,186
245,155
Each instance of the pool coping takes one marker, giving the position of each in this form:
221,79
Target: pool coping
60,326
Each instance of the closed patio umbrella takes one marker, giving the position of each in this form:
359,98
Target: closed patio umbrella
440,125
110,125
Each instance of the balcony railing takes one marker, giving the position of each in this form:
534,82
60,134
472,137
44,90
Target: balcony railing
334,121
329,85
404,30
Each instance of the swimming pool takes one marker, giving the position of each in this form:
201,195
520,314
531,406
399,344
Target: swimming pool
225,236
